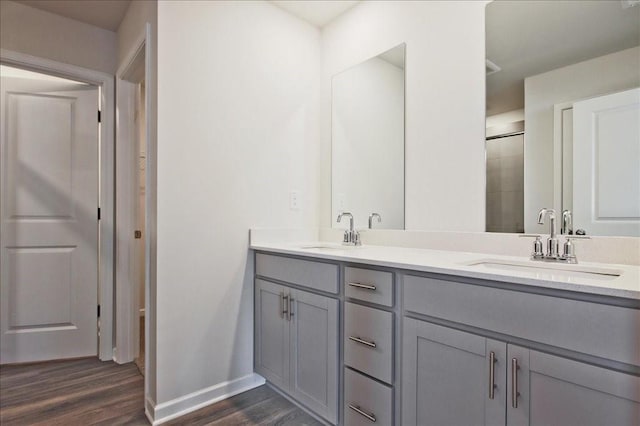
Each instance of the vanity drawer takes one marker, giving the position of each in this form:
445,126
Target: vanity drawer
368,341
366,401
306,273
605,331
369,285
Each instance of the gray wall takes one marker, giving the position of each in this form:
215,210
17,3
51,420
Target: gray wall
35,32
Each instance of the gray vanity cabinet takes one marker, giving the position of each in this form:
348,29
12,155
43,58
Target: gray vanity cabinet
544,389
296,344
527,356
448,377
448,380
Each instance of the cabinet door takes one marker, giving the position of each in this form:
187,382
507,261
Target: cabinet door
447,377
271,333
314,353
551,390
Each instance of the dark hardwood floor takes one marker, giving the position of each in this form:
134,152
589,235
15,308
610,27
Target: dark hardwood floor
91,392
75,392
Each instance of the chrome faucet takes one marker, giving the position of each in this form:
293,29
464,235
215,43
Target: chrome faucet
567,223
552,242
371,216
351,237
553,253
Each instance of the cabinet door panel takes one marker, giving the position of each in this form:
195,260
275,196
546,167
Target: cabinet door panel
446,377
559,391
272,334
314,353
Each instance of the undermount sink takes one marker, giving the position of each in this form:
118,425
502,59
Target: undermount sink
549,269
326,246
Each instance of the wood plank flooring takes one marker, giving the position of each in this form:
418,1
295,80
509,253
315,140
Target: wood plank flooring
140,360
91,392
74,392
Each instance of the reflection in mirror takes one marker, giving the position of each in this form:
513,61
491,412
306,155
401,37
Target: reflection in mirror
563,115
367,139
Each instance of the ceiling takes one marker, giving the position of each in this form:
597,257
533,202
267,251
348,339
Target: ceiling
526,38
108,14
317,12
105,14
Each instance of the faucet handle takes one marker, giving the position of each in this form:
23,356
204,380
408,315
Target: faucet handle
569,252
537,245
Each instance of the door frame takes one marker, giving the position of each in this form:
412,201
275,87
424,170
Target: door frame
127,297
558,148
106,200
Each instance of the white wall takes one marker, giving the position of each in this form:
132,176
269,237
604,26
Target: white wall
38,33
606,74
445,103
238,89
368,144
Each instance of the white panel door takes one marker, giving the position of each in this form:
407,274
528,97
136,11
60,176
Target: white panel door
49,224
606,164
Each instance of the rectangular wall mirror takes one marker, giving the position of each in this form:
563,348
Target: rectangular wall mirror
563,115
367,141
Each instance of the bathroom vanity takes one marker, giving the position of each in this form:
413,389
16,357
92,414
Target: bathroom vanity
422,337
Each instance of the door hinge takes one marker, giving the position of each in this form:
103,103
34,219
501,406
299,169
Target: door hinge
98,213
98,311
99,116
137,235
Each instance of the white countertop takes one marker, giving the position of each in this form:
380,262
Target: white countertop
627,285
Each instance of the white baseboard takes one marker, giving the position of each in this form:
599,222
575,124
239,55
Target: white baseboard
149,411
177,407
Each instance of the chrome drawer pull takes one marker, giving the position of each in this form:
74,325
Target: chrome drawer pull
363,342
284,301
492,374
363,413
363,286
514,383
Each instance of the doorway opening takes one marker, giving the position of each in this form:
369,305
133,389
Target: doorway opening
55,272
132,201
140,122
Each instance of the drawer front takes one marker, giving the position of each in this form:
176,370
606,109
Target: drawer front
366,401
306,273
605,331
368,285
368,341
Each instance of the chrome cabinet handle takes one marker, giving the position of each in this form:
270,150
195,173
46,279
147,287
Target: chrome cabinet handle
363,286
290,307
283,305
514,383
358,410
492,374
362,341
